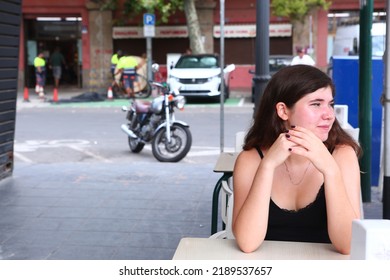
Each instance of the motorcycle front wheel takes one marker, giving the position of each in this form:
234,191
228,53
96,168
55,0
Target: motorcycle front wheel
177,148
136,145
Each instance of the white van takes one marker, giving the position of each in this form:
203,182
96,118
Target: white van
346,41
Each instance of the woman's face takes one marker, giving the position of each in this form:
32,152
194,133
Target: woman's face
315,112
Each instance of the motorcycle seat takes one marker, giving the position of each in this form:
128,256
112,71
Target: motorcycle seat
142,106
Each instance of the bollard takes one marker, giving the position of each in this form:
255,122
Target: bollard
109,93
25,95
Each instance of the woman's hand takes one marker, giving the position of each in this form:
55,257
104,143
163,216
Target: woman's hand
279,151
305,143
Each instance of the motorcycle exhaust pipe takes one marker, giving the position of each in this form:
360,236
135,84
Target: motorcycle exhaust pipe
128,131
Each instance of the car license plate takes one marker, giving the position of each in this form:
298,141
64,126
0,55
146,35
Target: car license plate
190,87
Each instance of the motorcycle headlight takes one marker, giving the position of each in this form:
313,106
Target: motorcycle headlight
180,101
176,91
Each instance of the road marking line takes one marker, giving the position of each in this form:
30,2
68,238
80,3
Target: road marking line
213,152
203,153
207,153
242,102
22,157
88,153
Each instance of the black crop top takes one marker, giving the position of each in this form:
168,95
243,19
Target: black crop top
308,224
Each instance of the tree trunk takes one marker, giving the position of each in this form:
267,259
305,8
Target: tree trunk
305,33
301,33
193,26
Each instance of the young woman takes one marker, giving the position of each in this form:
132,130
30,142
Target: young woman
298,177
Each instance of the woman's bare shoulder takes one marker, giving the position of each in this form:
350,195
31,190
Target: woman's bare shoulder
344,152
245,169
346,157
248,157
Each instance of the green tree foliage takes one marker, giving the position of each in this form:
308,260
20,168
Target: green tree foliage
165,8
297,9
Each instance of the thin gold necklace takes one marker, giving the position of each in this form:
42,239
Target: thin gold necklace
303,176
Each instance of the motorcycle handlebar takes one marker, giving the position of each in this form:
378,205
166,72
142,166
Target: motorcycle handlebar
164,86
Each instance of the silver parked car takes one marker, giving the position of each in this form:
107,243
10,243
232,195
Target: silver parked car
199,76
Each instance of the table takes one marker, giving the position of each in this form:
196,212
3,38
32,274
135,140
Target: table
225,165
226,249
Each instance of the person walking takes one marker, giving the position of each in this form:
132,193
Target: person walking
116,75
40,74
56,62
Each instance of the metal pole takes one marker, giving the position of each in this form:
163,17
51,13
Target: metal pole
365,93
222,65
261,77
311,35
149,57
386,102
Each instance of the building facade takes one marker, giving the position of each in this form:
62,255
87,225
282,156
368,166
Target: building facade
88,36
10,17
79,28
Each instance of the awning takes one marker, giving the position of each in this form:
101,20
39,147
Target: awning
181,31
249,30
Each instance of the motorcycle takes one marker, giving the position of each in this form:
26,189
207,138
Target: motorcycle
154,122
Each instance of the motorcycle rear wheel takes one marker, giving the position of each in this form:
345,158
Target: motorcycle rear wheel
136,145
142,87
177,149
118,91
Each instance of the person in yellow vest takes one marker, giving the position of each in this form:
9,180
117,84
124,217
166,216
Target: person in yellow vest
40,74
127,66
114,61
116,75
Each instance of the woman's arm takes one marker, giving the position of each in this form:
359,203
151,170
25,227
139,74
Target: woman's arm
342,192
252,190
252,182
342,183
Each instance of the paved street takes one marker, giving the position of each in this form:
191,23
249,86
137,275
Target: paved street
87,200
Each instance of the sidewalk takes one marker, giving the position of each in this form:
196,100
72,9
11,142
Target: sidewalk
102,210
67,92
107,211
63,93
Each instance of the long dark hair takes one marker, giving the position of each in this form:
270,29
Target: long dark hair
289,85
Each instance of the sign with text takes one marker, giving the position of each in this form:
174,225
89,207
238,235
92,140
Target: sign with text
149,25
125,32
149,19
249,30
149,31
181,31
